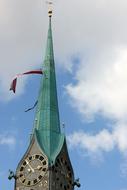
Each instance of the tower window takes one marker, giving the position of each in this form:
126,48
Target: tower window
70,181
61,159
68,168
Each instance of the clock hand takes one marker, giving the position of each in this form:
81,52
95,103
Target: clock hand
39,167
28,173
29,166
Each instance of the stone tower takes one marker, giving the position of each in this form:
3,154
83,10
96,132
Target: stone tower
46,164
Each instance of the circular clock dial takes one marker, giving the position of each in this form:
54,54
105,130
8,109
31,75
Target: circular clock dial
32,170
63,174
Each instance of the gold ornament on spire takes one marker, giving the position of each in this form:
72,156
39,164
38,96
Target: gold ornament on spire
50,3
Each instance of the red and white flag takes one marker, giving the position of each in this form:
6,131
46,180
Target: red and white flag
14,82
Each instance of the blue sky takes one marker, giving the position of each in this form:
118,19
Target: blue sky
90,45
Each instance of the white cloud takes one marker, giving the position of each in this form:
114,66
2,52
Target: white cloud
104,141
93,143
102,87
7,140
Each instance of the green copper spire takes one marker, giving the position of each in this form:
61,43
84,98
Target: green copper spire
47,123
48,112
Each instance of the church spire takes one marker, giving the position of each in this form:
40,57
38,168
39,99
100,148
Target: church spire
47,112
47,123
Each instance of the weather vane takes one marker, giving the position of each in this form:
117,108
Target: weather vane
50,3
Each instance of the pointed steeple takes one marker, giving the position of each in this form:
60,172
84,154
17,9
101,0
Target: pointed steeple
47,123
47,112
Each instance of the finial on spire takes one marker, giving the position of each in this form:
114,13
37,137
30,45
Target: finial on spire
49,8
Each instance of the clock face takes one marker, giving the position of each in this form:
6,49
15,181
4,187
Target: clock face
32,170
63,174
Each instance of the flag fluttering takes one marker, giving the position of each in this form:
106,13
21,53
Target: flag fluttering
14,82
